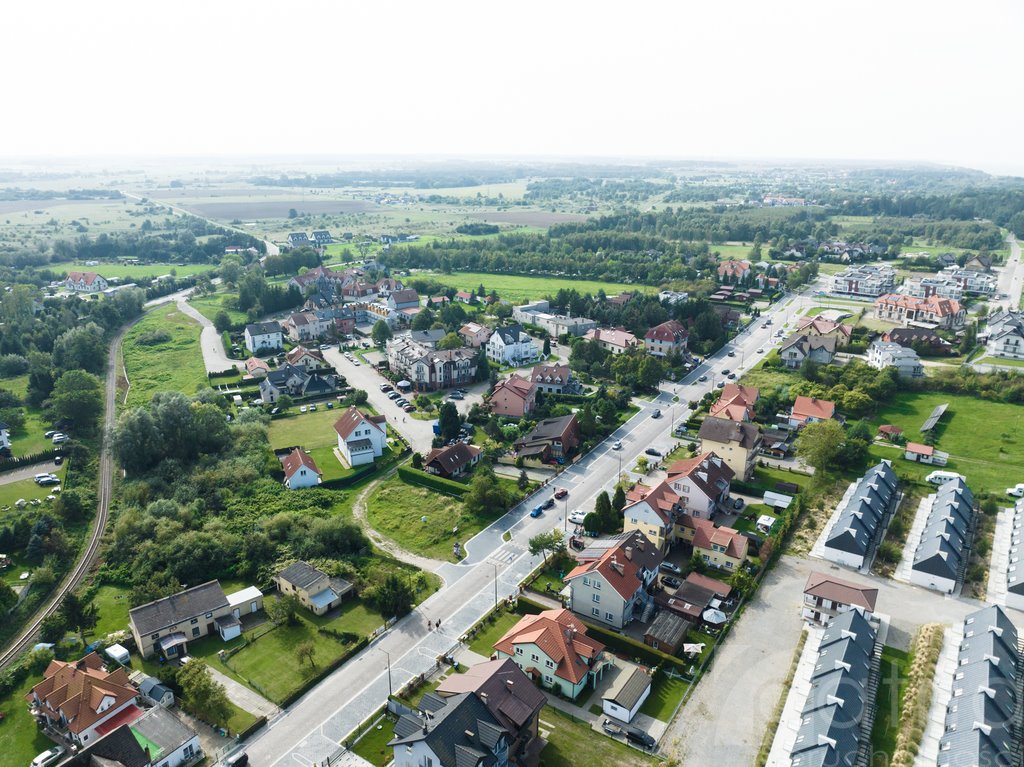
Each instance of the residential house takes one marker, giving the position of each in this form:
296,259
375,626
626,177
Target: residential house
459,731
172,742
307,359
737,442
653,511
721,547
152,689
537,313
5,436
915,451
940,558
627,694
85,282
514,397
978,263
863,515
864,281
885,354
322,237
554,379
438,302
429,339
315,589
256,368
826,597
673,297
300,470
1005,335
667,632
890,432
430,369
453,460
622,299
734,271
829,730
166,625
474,334
614,340
306,326
407,298
465,297
931,312
940,286
702,483
807,410
511,345
800,347
980,722
76,699
666,339
299,239
613,588
972,282
263,337
361,438
1014,570
553,647
322,279
551,439
922,340
119,748
511,698
821,328
296,382
736,402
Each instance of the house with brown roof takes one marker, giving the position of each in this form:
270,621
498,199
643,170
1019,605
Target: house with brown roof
702,483
800,347
666,339
300,470
737,442
407,298
465,297
553,647
514,397
305,326
307,359
721,547
889,432
915,451
719,589
653,511
256,367
810,410
551,439
822,328
826,596
614,340
736,402
474,334
613,588
361,438
85,282
930,312
76,699
452,461
733,271
553,379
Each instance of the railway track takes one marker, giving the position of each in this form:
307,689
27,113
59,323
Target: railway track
104,490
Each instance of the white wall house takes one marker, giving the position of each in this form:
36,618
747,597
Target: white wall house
361,438
85,282
626,695
5,437
263,336
886,354
511,346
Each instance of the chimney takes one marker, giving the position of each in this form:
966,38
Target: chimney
469,734
483,697
424,727
509,685
629,553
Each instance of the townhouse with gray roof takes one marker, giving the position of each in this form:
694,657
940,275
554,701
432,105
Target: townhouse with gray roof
459,731
865,510
1014,568
941,555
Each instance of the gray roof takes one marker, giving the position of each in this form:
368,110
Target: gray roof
830,734
549,428
163,728
852,623
726,430
301,575
119,747
668,628
941,551
153,688
509,334
460,733
190,603
427,336
629,692
262,328
836,685
858,521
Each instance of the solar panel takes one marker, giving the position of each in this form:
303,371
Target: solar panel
934,417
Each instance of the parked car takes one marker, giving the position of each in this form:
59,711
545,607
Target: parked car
324,347
1017,491
610,727
653,451
669,567
560,493
393,395
942,477
548,503
702,378
731,376
386,387
330,406
60,438
671,581
50,433
312,408
47,758
537,511
577,517
656,414
720,385
725,371
617,445
641,738
58,459
408,408
302,408
737,503
240,759
760,351
456,395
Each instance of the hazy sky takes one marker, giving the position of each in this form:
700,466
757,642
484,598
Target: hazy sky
894,80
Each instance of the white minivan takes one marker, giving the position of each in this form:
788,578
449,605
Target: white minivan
942,477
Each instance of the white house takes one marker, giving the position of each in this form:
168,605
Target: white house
511,345
864,281
361,438
300,470
942,550
85,282
263,336
5,436
1005,335
626,695
887,354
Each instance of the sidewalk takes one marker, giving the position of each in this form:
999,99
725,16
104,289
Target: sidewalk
243,697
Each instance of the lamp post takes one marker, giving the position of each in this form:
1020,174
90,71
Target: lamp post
390,693
495,566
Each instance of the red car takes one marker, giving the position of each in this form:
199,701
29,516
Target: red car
560,493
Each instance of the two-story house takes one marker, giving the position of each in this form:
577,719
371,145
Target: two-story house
307,359
515,397
552,438
800,347
737,442
720,547
453,460
653,511
736,402
407,298
807,410
702,483
300,470
474,334
821,328
666,339
886,354
554,379
610,584
314,588
1005,335
306,326
263,337
614,340
826,596
553,647
85,282
361,438
458,731
511,345
295,382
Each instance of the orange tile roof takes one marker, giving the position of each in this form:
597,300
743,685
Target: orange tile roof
736,402
940,307
352,418
662,498
705,471
77,689
296,459
516,384
561,636
705,534
811,407
822,327
917,447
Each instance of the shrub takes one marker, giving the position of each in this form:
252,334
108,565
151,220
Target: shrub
431,481
926,648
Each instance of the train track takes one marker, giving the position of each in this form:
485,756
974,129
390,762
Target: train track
104,490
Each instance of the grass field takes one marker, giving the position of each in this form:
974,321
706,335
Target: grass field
112,610
310,430
394,509
173,365
208,306
27,489
483,642
666,692
114,270
1002,361
20,739
29,439
373,745
892,684
572,743
519,288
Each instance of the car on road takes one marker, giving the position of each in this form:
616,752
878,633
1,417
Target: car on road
731,376
653,451
670,581
577,517
617,445
640,738
548,503
1017,491
703,378
720,385
560,493
537,511
355,362
47,758
656,414
760,351
725,371
669,567
456,395
732,353
324,347
768,322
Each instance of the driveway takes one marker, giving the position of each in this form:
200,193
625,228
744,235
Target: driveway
27,472
243,697
214,357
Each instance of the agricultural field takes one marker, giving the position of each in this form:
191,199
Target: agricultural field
162,353
23,220
521,288
128,272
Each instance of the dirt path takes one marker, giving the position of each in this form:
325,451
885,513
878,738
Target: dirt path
383,542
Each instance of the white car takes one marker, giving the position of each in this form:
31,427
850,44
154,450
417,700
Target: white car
1017,491
302,408
577,517
47,758
617,445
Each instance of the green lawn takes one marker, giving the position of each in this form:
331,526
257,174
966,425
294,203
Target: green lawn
311,430
208,306
20,739
29,439
240,719
373,745
549,577
329,464
892,684
1000,361
767,477
172,365
132,272
483,642
27,489
572,743
518,288
666,692
112,609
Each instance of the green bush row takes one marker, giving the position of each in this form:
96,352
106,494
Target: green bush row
25,460
431,481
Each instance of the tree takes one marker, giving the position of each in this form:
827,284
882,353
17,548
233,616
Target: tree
650,372
603,509
485,494
306,651
8,597
547,346
78,395
53,628
619,499
552,542
81,347
203,696
448,421
284,610
79,614
417,461
743,582
423,320
592,523
381,332
523,481
820,444
222,321
641,464
451,341
285,402
394,597
292,213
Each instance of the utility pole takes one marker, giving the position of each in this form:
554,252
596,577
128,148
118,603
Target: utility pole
495,584
390,691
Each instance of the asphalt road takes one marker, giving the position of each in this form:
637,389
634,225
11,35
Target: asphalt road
16,475
210,341
310,731
1011,277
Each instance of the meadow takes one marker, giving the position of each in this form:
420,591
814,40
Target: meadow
172,364
519,288
120,271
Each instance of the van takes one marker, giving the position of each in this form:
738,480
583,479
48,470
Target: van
240,759
942,477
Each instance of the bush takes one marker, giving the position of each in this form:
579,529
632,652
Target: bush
918,697
431,481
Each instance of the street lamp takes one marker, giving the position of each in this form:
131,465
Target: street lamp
390,693
495,566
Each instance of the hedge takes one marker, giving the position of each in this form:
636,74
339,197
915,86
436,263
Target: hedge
360,473
431,481
24,460
229,373
253,728
313,681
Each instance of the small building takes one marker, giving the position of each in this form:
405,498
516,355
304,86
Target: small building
890,432
322,237
667,632
465,297
315,589
551,439
452,461
807,410
914,451
263,337
156,691
256,367
172,743
886,354
307,359
361,438
614,340
300,470
826,596
515,397
625,697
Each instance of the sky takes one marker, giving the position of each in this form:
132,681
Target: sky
897,80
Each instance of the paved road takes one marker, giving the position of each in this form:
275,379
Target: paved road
1011,277
214,357
16,475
